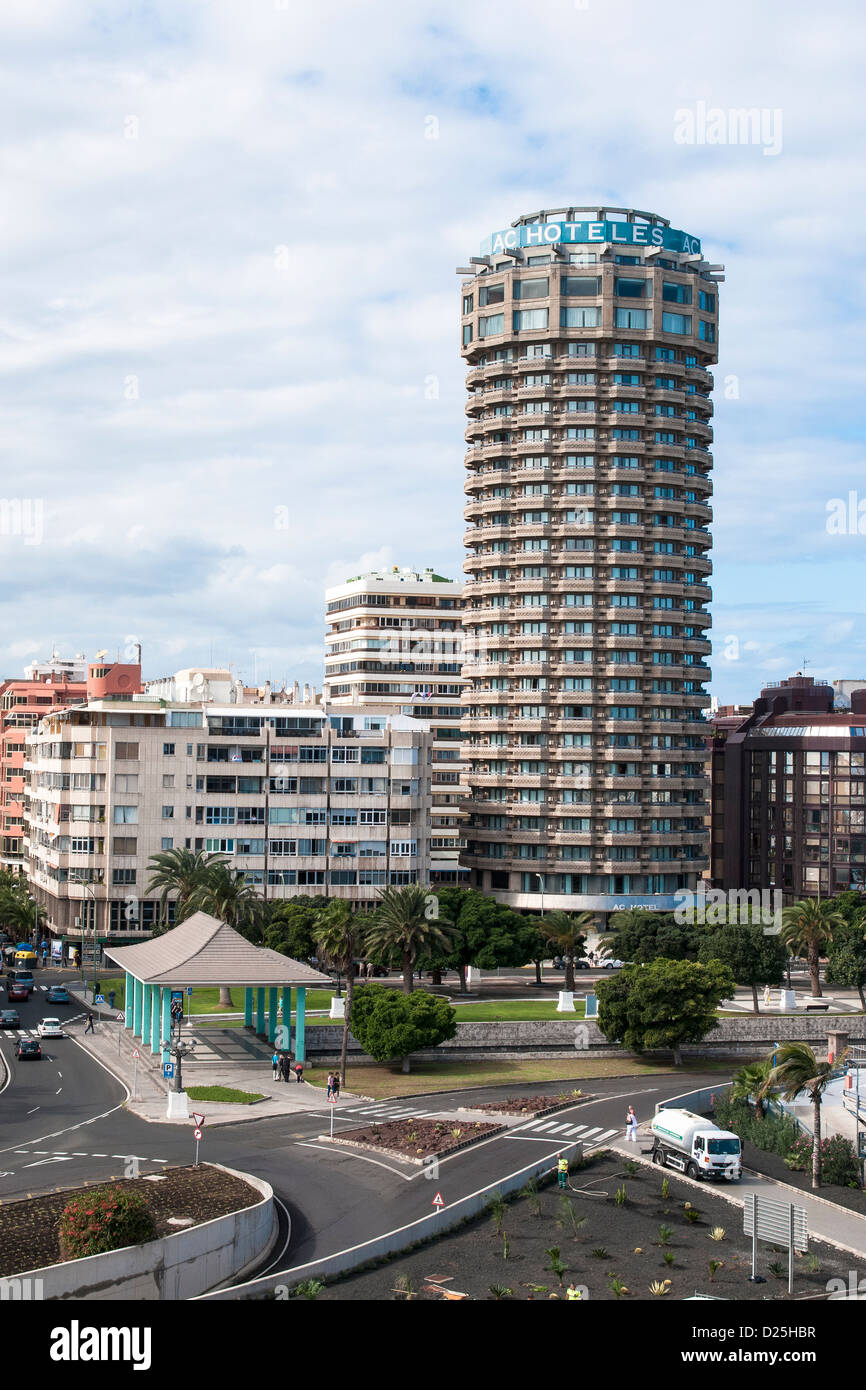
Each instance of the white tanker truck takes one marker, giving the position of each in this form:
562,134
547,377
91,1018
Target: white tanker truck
695,1146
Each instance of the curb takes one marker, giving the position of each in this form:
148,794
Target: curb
405,1158
516,1118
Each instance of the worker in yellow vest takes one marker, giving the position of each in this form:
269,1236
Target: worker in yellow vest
573,1293
561,1170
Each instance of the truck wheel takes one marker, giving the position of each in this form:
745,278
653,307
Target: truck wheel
693,1172
658,1157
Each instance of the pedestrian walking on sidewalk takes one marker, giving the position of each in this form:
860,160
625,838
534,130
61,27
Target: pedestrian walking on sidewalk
275,1063
299,1072
285,1069
631,1125
88,1027
336,1086
330,1083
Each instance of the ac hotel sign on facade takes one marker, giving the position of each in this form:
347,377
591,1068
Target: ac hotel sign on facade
628,233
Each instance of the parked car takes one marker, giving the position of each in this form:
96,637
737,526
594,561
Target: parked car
10,1018
612,964
28,1049
582,964
58,994
50,1028
17,993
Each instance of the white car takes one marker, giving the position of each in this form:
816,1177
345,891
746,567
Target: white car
50,1028
612,964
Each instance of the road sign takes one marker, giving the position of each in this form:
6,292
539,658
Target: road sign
100,999
438,1200
197,1134
189,989
781,1223
168,1069
332,1099
120,1018
135,1054
199,1119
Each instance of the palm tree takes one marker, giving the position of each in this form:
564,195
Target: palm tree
401,925
806,927
567,932
753,1082
181,872
337,934
798,1070
227,894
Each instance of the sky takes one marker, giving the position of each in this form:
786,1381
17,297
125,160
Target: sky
229,313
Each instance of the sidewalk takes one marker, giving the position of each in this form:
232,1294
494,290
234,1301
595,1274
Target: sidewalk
826,1221
112,1044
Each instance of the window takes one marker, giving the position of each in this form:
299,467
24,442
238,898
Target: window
119,876
574,317
706,331
580,285
467,334
707,302
126,781
632,318
468,303
168,750
168,813
168,781
126,815
631,289
121,844
676,294
490,325
491,294
676,323
531,289
529,318
126,751
166,842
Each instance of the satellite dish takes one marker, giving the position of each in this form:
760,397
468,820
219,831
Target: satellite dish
103,653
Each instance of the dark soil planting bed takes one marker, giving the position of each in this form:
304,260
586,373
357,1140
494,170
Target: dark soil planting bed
418,1139
29,1229
535,1246
532,1105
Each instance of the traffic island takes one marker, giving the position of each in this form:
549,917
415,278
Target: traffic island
518,1107
206,1223
416,1141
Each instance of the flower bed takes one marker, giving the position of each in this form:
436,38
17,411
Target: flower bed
29,1230
416,1140
531,1105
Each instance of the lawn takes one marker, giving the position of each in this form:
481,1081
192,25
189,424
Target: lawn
520,1010
383,1082
205,1001
224,1093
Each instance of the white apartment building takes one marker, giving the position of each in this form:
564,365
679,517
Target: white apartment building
394,642
301,802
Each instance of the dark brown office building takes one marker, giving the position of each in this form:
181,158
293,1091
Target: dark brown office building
789,793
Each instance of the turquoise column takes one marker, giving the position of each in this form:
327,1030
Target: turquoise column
272,1015
166,1017
300,1021
154,1019
146,992
136,1007
286,1042
128,1001
248,1007
260,1011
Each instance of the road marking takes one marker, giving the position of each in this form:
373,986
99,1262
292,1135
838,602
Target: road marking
597,1130
557,1128
347,1153
59,1089
41,1161
33,1111
573,1129
545,1124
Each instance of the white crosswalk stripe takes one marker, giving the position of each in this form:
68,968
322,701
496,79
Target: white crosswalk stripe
590,1132
574,1129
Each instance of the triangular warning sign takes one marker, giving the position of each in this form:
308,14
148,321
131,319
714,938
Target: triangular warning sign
438,1200
199,1119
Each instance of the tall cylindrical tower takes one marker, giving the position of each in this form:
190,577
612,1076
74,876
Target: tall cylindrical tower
588,336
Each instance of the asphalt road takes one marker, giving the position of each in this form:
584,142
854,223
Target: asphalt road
64,1124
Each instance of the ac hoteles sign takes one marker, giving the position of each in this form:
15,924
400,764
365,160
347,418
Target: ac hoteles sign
575,233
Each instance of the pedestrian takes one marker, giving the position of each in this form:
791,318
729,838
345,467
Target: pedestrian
284,1067
631,1125
572,1293
330,1083
299,1072
562,1170
275,1063
88,1027
766,996
337,1085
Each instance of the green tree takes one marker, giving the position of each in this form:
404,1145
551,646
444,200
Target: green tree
846,964
640,936
406,926
390,1024
25,914
179,873
663,1004
566,932
484,933
290,926
752,957
337,935
797,1072
808,927
752,1082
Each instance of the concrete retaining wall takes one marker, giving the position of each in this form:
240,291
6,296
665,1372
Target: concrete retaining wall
392,1242
748,1035
176,1267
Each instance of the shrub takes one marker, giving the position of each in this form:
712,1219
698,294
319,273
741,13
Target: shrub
108,1218
773,1134
839,1164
